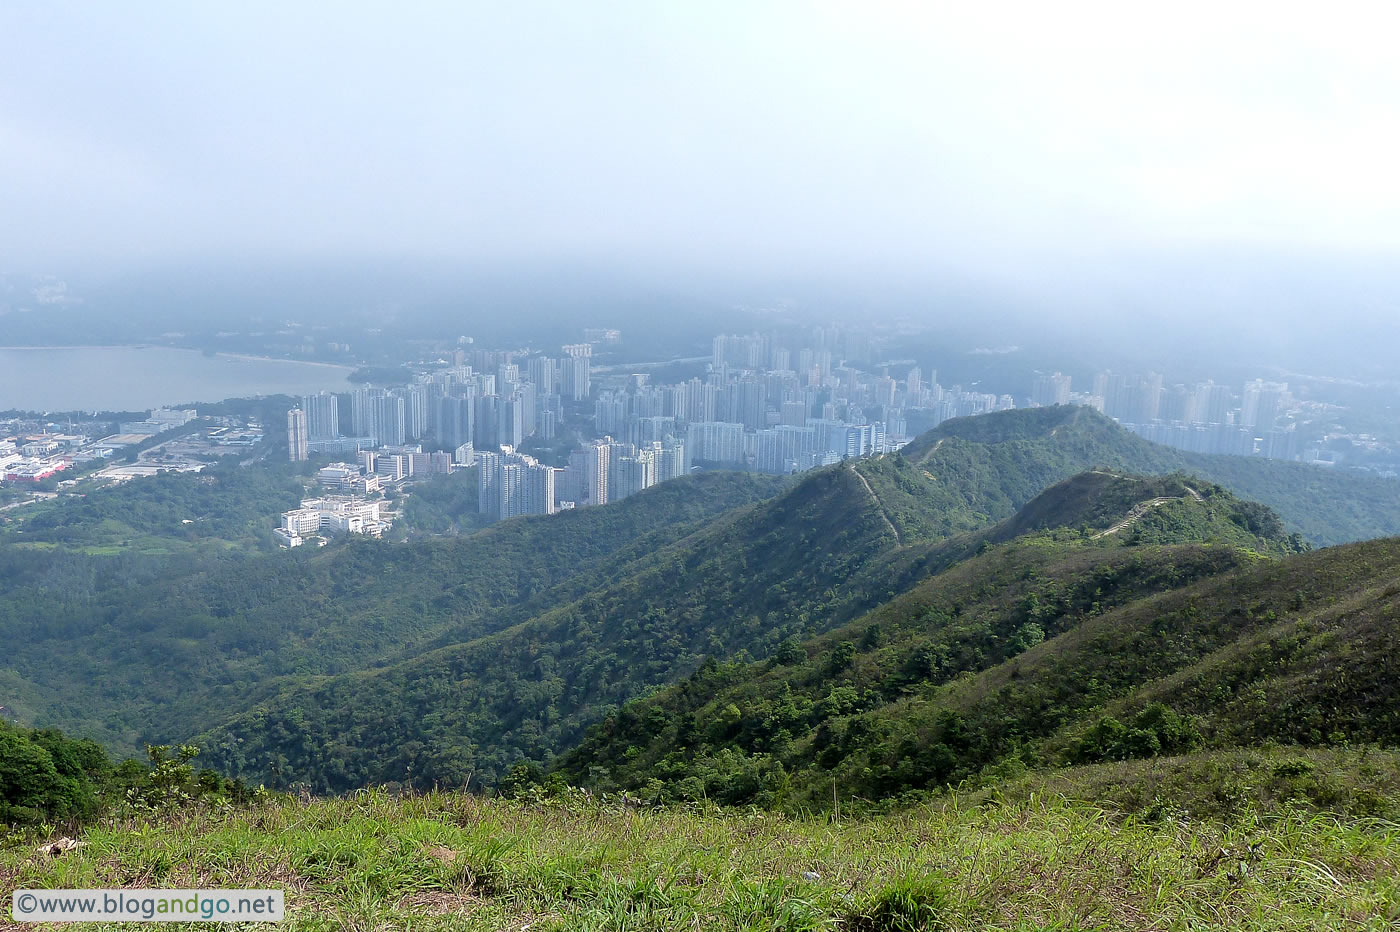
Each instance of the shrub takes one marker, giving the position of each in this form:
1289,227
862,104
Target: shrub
910,904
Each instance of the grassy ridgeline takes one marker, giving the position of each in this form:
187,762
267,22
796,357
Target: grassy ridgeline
453,861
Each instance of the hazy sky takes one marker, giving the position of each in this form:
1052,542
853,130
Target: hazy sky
874,136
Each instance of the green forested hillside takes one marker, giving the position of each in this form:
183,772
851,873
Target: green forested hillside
1172,509
1029,449
224,507
791,566
1000,681
801,564
1035,653
436,660
156,656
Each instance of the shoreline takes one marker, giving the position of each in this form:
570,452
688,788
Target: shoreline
188,349
299,362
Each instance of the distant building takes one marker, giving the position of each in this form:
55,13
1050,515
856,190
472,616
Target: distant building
393,466
393,423
32,470
1262,402
364,413
787,449
416,410
1049,390
456,420
170,418
347,478
510,484
341,445
544,373
334,515
1211,404
575,374
587,474
715,442
322,416
671,459
297,438
439,463
629,475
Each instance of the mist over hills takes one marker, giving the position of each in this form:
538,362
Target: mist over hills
1208,310
450,615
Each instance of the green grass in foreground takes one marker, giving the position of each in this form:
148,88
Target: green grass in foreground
453,861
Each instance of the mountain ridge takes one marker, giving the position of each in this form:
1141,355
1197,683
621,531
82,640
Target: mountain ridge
444,659
1230,654
539,684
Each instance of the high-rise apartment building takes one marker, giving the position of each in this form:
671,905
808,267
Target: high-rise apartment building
883,391
586,478
1133,400
629,474
298,448
529,407
1262,403
456,416
510,421
794,414
575,373
1212,404
364,413
700,401
1049,390
392,426
786,448
544,373
596,469
1148,400
715,442
487,422
646,430
736,352
610,412
671,460
415,401
322,415
914,383
752,404
510,484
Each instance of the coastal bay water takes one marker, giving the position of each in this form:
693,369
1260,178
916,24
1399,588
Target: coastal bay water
136,378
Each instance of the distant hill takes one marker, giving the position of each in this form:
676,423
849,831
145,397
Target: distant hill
428,662
801,562
1029,449
1138,682
1039,652
815,557
128,657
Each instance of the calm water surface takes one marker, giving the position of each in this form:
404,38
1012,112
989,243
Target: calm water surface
135,378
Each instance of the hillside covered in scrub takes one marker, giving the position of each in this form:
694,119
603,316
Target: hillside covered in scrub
441,661
1028,857
1036,653
839,543
1030,673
